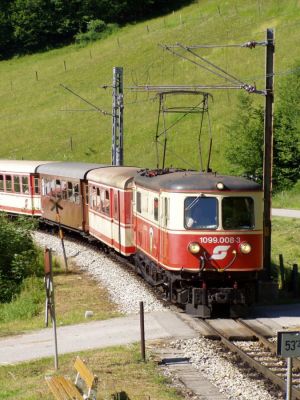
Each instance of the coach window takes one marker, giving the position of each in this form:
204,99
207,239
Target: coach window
64,191
166,211
200,213
98,199
17,186
8,182
105,203
58,188
36,185
155,204
25,187
1,183
70,190
93,197
138,202
238,213
76,193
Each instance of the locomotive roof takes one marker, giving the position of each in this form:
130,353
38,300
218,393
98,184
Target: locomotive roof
194,180
120,177
77,170
19,166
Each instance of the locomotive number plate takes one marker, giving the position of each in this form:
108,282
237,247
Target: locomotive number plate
220,239
288,344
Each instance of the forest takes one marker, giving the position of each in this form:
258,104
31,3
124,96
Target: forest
27,26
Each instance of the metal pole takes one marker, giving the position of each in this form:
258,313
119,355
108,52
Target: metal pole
52,306
142,325
117,117
289,378
268,150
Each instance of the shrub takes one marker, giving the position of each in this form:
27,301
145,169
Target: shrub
18,256
96,29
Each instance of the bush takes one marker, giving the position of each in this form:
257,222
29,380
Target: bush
19,256
96,29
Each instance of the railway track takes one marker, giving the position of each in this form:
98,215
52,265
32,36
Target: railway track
259,354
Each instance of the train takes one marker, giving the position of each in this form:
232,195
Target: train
196,236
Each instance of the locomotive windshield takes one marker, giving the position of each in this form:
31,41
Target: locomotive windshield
200,213
237,213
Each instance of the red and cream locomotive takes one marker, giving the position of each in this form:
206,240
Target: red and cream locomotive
196,235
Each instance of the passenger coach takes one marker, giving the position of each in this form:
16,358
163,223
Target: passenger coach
65,192
110,208
20,187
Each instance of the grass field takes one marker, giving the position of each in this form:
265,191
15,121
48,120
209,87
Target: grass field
285,240
119,369
75,293
39,118
288,199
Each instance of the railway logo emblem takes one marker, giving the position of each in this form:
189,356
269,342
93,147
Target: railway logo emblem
219,253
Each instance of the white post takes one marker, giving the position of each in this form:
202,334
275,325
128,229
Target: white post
289,378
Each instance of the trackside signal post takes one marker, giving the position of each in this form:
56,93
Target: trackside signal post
117,117
288,345
268,150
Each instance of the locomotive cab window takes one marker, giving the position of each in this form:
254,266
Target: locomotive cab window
238,213
201,213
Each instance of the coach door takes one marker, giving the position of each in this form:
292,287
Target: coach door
116,229
85,206
164,216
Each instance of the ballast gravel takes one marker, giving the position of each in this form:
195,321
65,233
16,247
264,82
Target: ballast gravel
126,290
232,378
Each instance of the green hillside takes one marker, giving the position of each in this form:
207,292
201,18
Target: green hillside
39,117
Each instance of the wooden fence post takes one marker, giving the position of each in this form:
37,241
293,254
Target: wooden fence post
281,271
295,280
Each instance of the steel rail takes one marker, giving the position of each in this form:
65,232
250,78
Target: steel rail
266,343
267,373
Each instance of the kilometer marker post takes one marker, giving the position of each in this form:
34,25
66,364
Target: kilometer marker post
288,345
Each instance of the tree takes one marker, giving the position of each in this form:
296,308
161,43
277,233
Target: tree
287,132
245,139
6,30
246,131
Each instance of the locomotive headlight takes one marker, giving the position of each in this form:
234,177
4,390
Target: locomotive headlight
194,247
220,185
245,248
